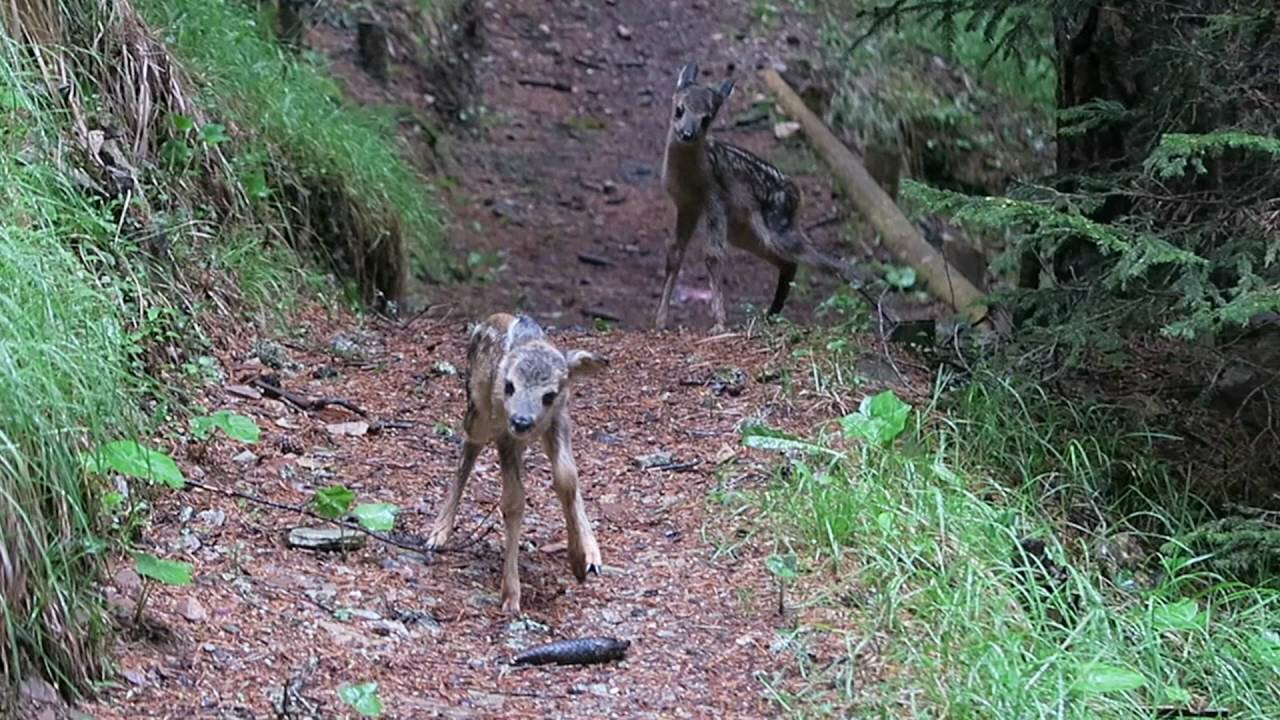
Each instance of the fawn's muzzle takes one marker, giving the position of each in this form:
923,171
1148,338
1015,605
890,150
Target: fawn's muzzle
521,423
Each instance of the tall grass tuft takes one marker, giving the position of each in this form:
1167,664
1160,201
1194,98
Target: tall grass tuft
65,382
341,165
915,547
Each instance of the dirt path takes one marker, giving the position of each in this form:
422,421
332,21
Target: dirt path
563,174
430,633
567,174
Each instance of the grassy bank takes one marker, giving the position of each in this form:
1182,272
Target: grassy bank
65,375
914,595
253,179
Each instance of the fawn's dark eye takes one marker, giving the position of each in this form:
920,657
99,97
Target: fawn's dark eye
679,111
509,388
706,121
548,398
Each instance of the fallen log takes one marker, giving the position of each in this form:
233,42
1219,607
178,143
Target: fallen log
899,234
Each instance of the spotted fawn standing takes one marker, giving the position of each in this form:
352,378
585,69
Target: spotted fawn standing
739,199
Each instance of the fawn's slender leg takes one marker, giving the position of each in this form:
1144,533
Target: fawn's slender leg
786,273
717,242
509,457
448,515
584,554
686,224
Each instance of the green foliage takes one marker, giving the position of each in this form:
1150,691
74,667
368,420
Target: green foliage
1178,151
297,119
915,545
66,381
880,419
1238,547
167,572
131,459
379,517
236,426
333,501
362,698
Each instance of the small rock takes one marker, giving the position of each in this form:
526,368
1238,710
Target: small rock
128,581
245,458
609,187
784,130
270,354
389,628
656,459
624,32
444,368
135,677
38,692
352,429
363,614
333,539
345,348
192,610
243,391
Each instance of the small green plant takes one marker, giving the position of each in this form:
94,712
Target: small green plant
156,570
235,426
336,501
880,419
362,698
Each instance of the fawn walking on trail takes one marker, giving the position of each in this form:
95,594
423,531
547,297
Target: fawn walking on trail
518,389
738,198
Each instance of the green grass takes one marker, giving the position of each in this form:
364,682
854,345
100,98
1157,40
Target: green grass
65,362
913,547
294,108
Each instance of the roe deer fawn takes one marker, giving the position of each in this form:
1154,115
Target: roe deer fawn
518,389
739,199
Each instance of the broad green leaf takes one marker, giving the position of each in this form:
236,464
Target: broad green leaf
182,123
333,501
255,185
175,153
169,572
130,458
362,698
378,517
1097,678
880,419
1174,695
762,437
1266,648
885,521
901,277
236,426
1181,615
214,133
784,566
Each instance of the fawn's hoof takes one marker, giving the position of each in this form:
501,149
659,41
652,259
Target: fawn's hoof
594,569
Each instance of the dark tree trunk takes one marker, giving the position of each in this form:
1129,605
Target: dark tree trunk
290,24
371,47
1101,53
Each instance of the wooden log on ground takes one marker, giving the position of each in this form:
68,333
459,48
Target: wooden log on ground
899,234
371,48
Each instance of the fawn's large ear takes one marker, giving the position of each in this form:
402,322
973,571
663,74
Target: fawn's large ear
523,330
584,364
726,89
688,75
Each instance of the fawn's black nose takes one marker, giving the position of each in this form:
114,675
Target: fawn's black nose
522,423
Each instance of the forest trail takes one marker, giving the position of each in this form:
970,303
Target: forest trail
562,174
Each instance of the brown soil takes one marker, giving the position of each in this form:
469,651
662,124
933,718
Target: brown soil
262,617
561,174
264,621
